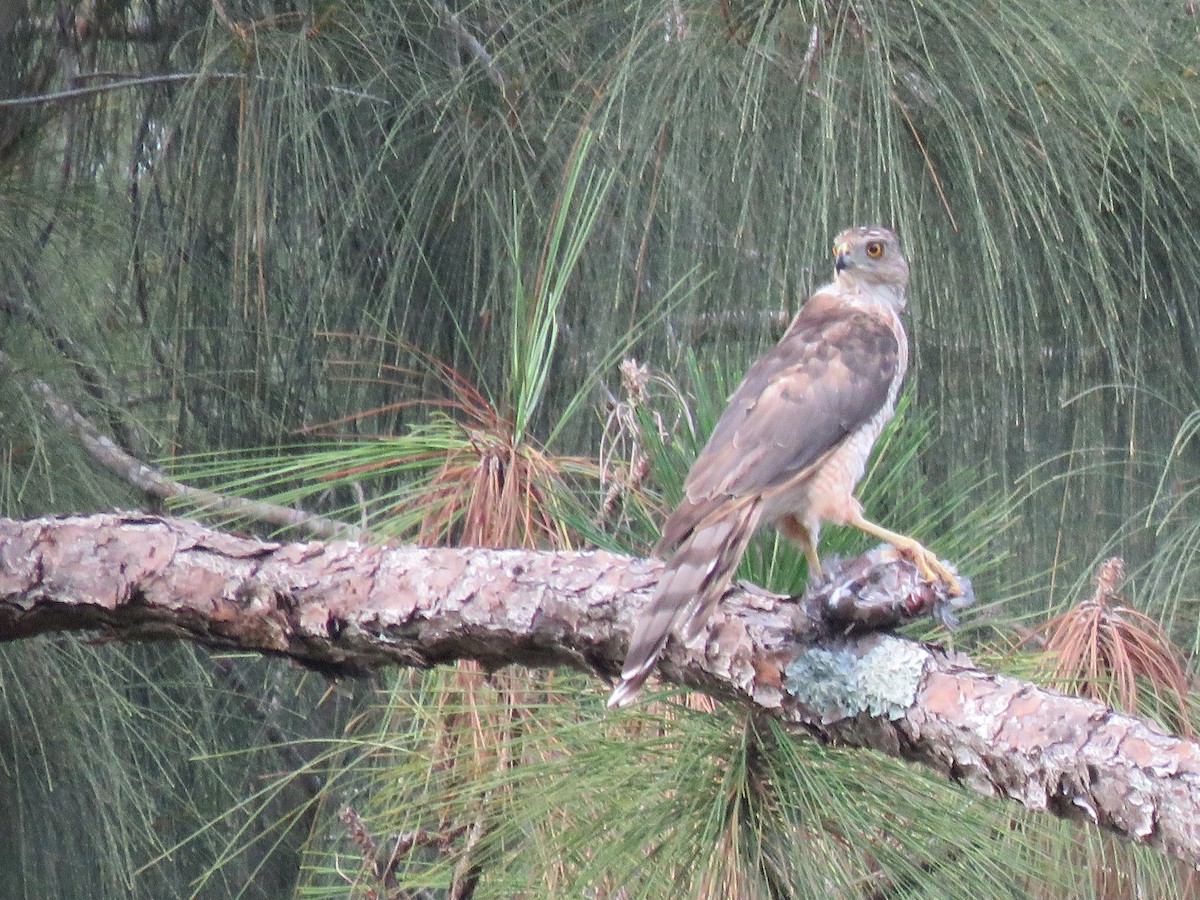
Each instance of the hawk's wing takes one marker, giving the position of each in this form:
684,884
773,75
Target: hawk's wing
830,374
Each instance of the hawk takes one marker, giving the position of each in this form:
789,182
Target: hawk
790,446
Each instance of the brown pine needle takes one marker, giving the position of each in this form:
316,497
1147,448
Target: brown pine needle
1103,649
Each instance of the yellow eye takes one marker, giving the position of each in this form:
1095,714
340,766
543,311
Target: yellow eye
874,249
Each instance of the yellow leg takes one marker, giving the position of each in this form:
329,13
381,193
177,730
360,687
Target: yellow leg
790,528
930,566
814,562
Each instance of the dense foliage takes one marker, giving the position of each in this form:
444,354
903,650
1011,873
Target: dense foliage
359,255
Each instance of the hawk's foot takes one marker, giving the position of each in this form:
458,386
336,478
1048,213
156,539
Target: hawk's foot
930,567
928,564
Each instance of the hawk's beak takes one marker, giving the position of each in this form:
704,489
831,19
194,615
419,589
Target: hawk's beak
841,262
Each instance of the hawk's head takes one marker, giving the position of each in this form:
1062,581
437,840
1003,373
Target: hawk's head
870,253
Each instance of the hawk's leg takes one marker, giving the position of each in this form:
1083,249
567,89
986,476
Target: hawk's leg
790,528
930,566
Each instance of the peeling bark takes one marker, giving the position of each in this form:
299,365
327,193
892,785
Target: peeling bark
343,607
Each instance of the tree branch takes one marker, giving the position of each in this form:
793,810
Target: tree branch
343,607
123,82
155,483
85,367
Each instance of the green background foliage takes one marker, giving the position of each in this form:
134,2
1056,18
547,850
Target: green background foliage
336,253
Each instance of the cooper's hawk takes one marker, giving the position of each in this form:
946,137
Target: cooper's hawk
791,445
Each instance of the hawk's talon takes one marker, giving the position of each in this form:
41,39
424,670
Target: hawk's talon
932,568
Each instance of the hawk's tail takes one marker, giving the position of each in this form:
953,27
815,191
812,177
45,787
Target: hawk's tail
694,580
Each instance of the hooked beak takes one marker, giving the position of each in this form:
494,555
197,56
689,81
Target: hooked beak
841,262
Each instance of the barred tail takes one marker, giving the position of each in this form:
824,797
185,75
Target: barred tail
694,581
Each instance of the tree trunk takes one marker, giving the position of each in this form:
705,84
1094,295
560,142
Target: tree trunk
343,607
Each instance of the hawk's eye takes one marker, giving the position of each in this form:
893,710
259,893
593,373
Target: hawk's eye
874,249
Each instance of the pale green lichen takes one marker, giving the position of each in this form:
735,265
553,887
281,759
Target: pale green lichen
878,675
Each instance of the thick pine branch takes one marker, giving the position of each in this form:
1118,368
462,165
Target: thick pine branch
344,607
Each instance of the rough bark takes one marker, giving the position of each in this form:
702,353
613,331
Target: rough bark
344,607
